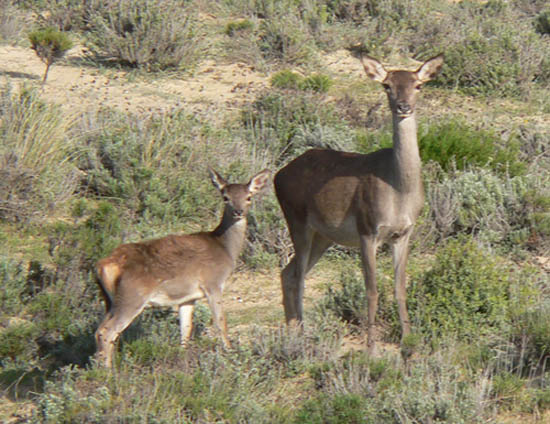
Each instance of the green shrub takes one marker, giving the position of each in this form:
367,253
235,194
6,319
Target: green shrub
237,26
465,293
542,22
17,341
343,408
290,80
148,34
456,144
50,45
286,79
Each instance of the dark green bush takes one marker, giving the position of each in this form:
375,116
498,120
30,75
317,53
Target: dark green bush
290,80
542,22
234,27
456,144
465,293
340,409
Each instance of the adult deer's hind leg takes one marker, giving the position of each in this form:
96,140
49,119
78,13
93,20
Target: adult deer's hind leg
368,259
293,275
120,317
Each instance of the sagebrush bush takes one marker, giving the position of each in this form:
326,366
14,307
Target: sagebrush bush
465,293
499,210
148,34
277,118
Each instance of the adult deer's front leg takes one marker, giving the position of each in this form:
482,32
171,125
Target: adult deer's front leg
368,258
400,256
218,317
186,322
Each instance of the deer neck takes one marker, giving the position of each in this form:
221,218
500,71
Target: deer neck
231,234
405,154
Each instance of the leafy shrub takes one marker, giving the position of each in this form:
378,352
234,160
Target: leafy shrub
465,293
234,27
344,408
542,22
286,79
50,45
148,34
290,80
456,144
16,341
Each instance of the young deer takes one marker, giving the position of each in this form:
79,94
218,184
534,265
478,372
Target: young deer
176,270
358,200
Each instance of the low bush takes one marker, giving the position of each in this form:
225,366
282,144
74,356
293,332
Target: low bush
466,293
455,144
148,34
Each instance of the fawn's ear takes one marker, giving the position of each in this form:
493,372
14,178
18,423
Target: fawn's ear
218,181
373,68
429,70
258,181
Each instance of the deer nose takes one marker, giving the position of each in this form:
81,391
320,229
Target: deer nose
403,108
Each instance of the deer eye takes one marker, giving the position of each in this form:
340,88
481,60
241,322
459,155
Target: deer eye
418,87
225,198
249,199
386,87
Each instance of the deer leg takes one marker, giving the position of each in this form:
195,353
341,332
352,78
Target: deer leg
293,275
215,302
368,259
400,254
120,317
186,321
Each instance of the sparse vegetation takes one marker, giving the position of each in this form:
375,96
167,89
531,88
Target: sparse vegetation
75,184
50,45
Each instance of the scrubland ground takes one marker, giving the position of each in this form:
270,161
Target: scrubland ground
114,148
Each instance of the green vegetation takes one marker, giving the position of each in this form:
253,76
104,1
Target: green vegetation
73,185
50,45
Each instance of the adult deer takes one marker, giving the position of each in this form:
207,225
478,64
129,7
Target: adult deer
176,270
359,200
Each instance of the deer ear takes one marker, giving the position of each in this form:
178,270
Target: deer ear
373,68
218,181
258,181
430,68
